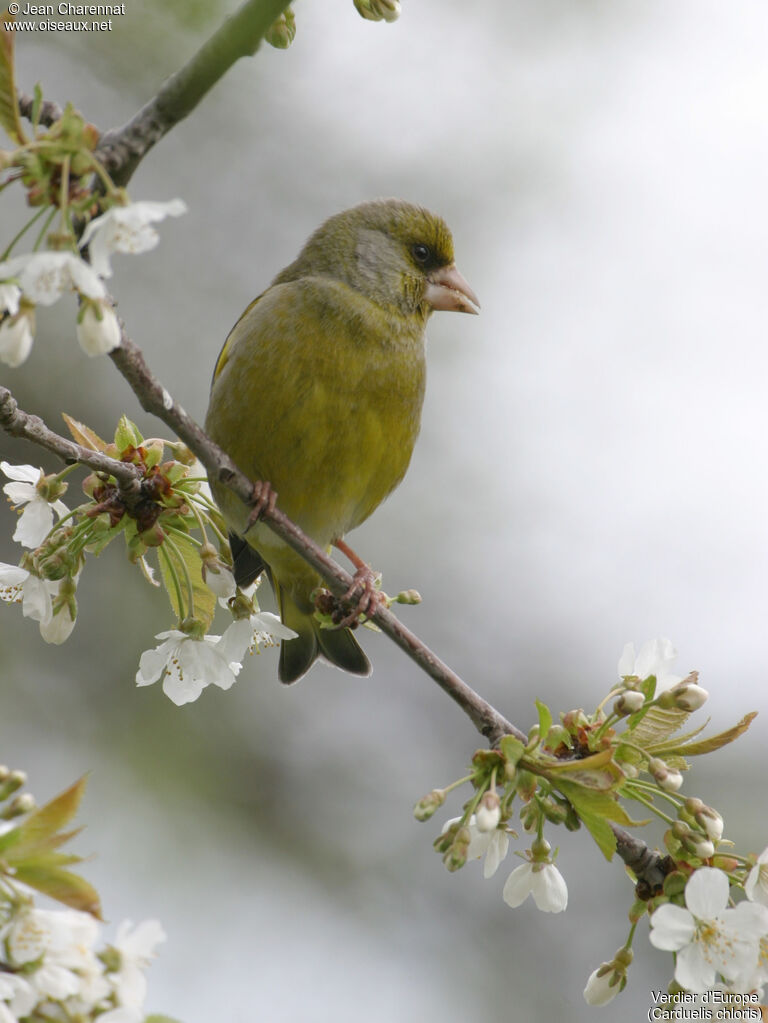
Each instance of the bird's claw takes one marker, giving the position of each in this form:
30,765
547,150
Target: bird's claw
363,595
263,498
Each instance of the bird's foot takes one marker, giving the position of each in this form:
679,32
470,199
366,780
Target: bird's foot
363,595
362,598
263,498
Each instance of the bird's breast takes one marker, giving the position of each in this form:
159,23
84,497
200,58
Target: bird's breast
321,393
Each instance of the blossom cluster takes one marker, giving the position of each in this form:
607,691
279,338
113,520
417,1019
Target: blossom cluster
573,772
53,965
176,502
41,278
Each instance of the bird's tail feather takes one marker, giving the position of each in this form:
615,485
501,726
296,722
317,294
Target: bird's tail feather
337,646
247,563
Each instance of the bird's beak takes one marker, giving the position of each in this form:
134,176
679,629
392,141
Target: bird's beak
447,289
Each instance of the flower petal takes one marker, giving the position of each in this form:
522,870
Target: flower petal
497,851
692,970
22,473
706,893
34,524
672,928
518,885
549,890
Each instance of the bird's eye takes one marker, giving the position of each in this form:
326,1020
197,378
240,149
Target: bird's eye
420,252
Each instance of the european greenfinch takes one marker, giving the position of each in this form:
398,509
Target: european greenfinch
318,391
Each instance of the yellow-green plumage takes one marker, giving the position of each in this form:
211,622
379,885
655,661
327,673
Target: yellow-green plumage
318,390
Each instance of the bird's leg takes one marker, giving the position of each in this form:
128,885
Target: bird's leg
263,498
363,594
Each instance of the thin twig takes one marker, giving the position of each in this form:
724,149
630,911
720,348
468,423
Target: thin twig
48,114
121,150
22,424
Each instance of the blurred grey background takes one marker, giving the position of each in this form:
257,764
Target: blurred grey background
592,469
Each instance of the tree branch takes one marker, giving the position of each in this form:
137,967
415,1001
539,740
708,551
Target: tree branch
121,150
22,424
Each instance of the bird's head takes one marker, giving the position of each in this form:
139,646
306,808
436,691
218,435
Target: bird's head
397,254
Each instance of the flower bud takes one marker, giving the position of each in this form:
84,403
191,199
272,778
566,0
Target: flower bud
604,984
11,783
282,32
686,695
54,567
700,847
153,536
554,811
666,777
726,863
16,334
98,330
693,842
24,802
378,10
711,821
427,805
628,703
456,856
690,697
488,812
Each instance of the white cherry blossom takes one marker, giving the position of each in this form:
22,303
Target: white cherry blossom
37,518
188,665
708,937
541,880
126,229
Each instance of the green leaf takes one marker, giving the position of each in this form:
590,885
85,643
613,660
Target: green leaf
38,831
59,884
83,434
597,772
713,742
657,725
9,109
600,830
127,434
511,749
37,104
595,809
155,1018
545,719
183,555
29,852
